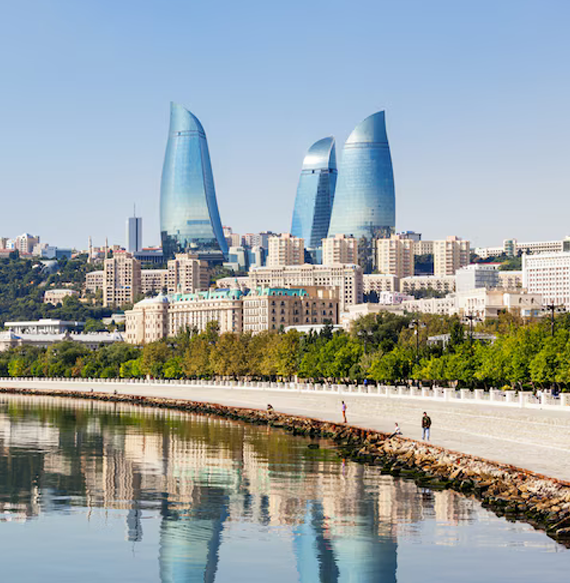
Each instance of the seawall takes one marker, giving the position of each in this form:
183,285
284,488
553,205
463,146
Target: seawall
537,439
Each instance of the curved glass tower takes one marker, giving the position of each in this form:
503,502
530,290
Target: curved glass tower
365,201
189,216
315,194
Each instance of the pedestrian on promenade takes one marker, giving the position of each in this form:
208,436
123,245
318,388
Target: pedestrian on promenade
397,431
426,424
343,406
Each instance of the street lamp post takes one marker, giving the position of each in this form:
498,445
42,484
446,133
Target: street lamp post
471,318
552,308
416,324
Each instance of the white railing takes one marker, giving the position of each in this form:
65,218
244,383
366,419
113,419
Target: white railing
493,397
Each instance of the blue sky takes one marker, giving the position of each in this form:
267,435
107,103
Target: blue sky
476,95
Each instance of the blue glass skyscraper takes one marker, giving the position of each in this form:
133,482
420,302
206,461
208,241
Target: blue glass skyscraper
365,201
315,194
189,216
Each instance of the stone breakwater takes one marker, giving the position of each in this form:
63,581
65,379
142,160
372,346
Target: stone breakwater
507,490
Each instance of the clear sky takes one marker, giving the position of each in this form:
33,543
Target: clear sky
477,96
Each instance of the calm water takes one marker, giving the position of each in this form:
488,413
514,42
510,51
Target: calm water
93,492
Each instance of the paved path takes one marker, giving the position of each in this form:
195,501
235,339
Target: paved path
537,440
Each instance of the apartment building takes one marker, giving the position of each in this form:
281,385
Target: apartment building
449,255
187,274
285,249
395,256
380,282
94,281
154,280
442,284
339,249
122,280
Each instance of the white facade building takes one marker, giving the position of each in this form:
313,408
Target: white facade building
340,249
380,282
395,256
285,249
449,255
442,284
346,278
548,274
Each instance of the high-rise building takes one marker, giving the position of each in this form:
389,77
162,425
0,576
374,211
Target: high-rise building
134,234
315,193
364,200
258,239
339,249
285,250
395,256
25,243
189,216
187,274
154,280
548,274
121,280
449,255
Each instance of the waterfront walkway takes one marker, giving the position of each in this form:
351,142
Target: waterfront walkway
536,438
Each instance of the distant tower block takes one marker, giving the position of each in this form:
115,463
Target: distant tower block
134,233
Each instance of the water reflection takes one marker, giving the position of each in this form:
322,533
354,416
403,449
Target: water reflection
200,478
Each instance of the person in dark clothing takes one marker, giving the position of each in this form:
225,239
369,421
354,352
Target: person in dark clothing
426,424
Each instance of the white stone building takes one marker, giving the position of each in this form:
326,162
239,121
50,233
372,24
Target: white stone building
56,296
380,282
442,284
346,278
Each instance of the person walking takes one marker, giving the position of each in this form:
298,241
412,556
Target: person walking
344,412
426,424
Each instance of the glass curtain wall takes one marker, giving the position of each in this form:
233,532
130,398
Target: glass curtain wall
365,201
189,216
315,193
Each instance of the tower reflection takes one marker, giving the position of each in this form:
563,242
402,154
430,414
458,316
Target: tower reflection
199,476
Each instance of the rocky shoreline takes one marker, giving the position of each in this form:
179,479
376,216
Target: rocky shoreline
508,491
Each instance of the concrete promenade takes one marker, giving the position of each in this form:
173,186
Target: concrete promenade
536,438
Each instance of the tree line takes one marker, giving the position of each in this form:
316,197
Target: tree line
381,347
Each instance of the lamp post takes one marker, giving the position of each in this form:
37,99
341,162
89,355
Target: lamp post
416,324
471,318
552,308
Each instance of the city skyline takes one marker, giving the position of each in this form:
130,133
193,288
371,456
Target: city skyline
477,113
